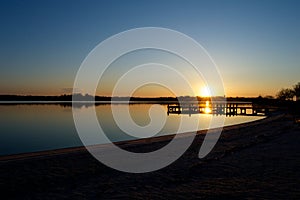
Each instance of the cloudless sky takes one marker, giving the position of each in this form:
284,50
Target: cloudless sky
255,44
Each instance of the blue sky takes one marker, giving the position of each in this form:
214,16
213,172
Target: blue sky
255,44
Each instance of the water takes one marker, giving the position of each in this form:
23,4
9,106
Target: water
37,127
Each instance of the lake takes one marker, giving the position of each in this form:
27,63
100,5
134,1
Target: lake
38,127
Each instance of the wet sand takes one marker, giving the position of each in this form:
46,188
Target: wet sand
255,160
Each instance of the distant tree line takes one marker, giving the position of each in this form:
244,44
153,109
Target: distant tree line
289,93
80,97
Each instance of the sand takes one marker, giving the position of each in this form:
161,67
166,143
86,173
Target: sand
255,160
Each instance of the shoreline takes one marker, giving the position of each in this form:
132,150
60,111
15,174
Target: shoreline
255,160
128,143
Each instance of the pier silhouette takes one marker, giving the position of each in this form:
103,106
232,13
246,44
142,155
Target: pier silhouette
217,108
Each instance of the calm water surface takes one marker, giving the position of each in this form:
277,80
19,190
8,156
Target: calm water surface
37,127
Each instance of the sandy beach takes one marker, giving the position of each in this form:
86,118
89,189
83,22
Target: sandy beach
259,159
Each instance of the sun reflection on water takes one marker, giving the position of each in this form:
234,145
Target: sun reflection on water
207,109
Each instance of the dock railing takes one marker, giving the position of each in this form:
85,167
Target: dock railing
228,108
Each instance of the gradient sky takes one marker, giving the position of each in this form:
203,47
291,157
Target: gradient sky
256,44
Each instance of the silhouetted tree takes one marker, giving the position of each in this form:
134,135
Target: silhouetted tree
297,91
286,94
269,97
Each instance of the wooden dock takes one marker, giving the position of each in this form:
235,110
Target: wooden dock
228,109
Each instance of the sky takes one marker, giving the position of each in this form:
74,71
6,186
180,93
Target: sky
255,44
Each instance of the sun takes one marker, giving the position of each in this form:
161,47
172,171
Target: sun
205,91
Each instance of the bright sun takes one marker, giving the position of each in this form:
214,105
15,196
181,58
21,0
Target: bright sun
205,92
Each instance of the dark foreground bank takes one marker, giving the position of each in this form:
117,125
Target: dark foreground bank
255,160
